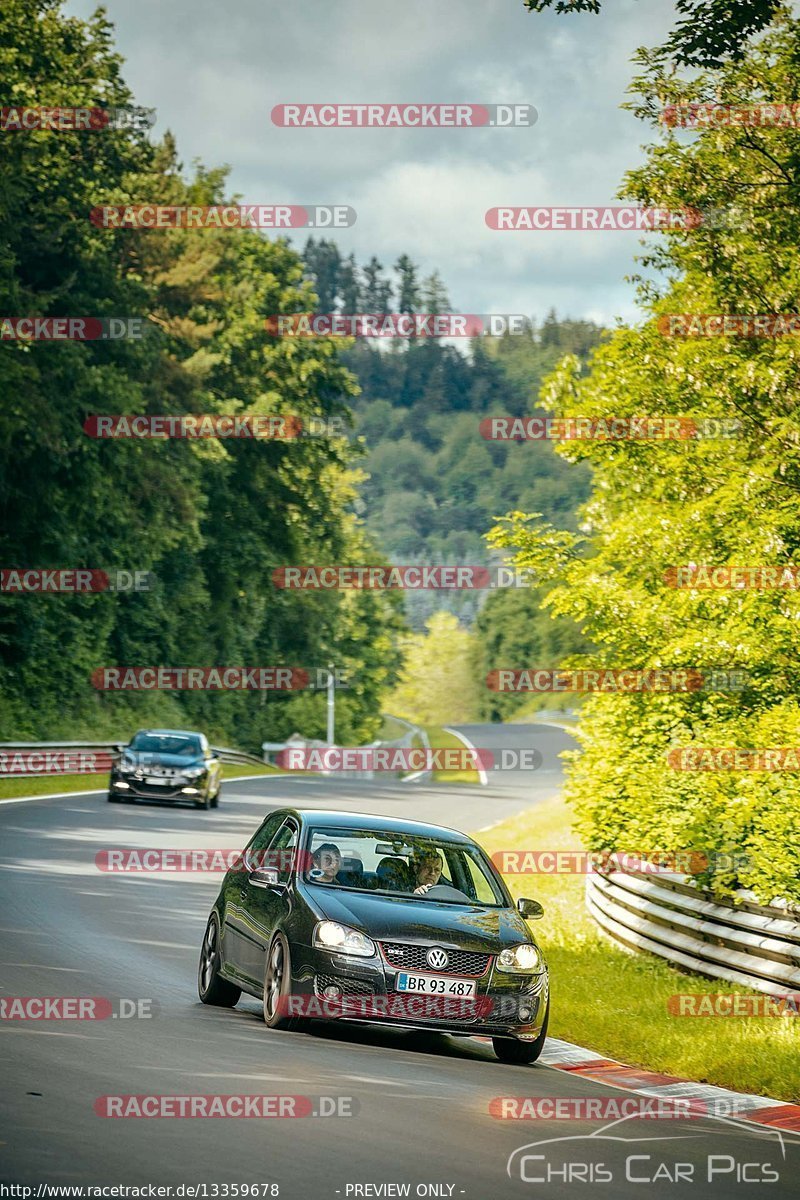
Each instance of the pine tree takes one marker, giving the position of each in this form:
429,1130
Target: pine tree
350,285
408,290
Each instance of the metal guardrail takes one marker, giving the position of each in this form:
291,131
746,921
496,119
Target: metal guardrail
404,742
237,756
747,943
21,760
407,741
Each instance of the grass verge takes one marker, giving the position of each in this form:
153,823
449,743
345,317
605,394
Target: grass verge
616,1003
45,785
440,739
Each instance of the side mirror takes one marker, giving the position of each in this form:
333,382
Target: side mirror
530,909
264,877
118,746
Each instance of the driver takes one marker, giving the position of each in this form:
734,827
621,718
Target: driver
428,871
327,861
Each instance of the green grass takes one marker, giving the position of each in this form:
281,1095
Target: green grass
616,1003
391,729
441,740
45,785
234,770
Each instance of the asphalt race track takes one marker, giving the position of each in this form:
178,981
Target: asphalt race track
421,1101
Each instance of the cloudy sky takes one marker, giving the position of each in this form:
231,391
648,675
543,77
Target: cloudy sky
213,72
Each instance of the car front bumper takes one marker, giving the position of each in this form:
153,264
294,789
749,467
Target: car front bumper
179,788
504,1005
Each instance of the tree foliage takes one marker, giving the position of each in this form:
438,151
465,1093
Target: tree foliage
437,684
720,502
432,482
210,520
709,32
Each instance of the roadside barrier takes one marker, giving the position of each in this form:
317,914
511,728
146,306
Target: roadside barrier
744,942
20,760
413,737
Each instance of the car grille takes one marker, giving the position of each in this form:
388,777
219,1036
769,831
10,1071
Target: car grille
158,773
408,957
348,987
138,787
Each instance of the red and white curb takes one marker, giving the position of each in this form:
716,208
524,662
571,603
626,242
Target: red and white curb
564,1056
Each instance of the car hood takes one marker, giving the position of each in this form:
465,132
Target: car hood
453,926
142,758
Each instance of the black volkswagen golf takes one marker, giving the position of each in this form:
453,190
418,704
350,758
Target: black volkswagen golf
167,764
342,916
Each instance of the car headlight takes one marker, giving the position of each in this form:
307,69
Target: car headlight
330,935
126,766
521,959
193,772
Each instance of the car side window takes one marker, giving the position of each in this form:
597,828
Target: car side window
281,849
263,836
479,888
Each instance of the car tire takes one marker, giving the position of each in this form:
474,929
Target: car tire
211,987
215,797
113,798
512,1050
205,803
278,985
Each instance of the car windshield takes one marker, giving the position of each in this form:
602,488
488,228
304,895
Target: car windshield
166,743
397,864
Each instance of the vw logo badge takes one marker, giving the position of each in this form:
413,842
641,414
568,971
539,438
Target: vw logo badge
437,958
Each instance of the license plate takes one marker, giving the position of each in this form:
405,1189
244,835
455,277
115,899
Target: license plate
434,985
157,779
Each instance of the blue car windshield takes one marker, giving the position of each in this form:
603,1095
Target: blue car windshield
166,743
396,864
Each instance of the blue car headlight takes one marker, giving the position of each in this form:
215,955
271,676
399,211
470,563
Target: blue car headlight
330,935
521,960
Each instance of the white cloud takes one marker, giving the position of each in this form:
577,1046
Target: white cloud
214,74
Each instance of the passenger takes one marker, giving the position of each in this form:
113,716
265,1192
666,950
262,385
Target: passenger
428,871
327,861
392,875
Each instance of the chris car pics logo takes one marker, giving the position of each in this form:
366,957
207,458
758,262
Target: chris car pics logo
614,1154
